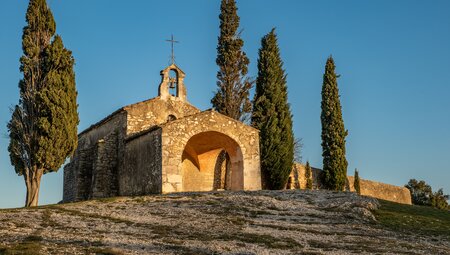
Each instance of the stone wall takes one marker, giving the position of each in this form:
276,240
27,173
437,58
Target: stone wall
200,177
240,141
104,169
382,191
142,171
144,115
298,177
138,150
78,176
69,187
103,140
116,122
368,188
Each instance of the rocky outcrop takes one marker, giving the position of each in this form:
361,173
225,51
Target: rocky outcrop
257,222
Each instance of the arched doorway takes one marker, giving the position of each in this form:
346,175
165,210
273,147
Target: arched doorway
212,161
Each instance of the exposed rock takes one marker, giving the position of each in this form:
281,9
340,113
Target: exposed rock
258,222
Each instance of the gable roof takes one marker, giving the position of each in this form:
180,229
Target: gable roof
109,117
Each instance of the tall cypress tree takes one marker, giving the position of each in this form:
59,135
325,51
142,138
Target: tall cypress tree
43,127
357,182
333,131
308,176
232,95
272,115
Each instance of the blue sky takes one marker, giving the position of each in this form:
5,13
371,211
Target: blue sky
393,58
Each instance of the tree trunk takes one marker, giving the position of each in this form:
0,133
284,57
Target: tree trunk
33,182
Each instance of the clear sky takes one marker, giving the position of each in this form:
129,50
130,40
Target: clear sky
393,58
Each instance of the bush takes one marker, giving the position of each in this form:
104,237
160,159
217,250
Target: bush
422,194
439,200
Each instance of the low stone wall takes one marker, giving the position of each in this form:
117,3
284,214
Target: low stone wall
297,180
382,190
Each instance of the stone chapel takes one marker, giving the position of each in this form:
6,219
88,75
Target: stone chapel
163,145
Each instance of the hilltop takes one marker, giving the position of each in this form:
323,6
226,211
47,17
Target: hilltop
259,222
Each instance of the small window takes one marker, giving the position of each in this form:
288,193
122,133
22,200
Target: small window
171,118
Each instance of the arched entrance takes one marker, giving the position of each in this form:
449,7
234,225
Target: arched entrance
212,161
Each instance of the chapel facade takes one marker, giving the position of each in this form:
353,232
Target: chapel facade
163,145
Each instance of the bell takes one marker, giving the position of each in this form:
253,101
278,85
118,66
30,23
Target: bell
172,82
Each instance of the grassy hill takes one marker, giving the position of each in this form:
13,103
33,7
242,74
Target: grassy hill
261,222
414,219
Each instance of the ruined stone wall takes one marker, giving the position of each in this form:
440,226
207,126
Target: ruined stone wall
144,115
104,170
176,134
142,172
368,188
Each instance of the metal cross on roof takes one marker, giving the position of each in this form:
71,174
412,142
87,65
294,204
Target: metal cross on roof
173,55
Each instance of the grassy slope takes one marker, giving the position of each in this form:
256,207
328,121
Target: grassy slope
422,220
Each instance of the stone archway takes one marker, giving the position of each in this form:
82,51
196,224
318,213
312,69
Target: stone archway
212,161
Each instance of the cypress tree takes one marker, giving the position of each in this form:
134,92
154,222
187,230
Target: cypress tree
356,182
232,95
333,131
308,176
43,127
272,115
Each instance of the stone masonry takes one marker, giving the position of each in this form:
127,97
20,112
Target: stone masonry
163,145
199,131
368,188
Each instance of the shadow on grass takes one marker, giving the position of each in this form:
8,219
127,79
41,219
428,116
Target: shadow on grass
416,219
29,246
